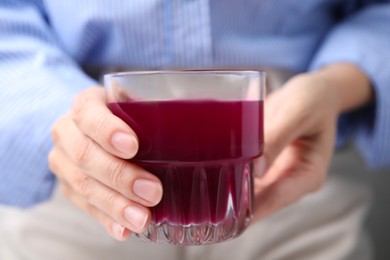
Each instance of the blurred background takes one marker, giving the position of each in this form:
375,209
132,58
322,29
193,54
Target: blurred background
379,217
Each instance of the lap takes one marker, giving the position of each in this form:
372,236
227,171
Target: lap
323,225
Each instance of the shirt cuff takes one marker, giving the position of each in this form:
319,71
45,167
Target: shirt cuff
367,48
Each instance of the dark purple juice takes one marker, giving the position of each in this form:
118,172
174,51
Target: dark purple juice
202,153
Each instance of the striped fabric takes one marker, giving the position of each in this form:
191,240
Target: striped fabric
44,44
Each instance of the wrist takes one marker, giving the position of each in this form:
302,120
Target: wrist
351,86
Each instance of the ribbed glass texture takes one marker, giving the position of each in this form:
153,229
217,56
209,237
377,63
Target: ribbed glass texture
202,203
198,132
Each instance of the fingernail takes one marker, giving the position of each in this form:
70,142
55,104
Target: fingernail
261,167
136,216
148,190
118,231
125,143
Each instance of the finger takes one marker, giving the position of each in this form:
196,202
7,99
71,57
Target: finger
94,119
113,228
114,205
279,195
129,179
300,169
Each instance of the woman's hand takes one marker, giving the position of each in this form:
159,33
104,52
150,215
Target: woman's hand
90,145
300,128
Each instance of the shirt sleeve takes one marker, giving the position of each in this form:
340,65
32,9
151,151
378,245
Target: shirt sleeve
37,83
363,39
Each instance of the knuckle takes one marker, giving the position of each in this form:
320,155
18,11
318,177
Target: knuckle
116,173
102,125
80,152
81,185
111,202
85,102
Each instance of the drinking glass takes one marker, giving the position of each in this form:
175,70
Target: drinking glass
199,132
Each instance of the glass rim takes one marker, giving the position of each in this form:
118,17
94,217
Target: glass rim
260,73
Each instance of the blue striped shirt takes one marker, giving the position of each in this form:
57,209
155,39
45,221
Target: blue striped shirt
45,43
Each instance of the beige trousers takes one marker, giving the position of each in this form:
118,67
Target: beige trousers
326,225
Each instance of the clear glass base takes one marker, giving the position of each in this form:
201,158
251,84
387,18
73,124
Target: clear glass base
202,204
197,234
